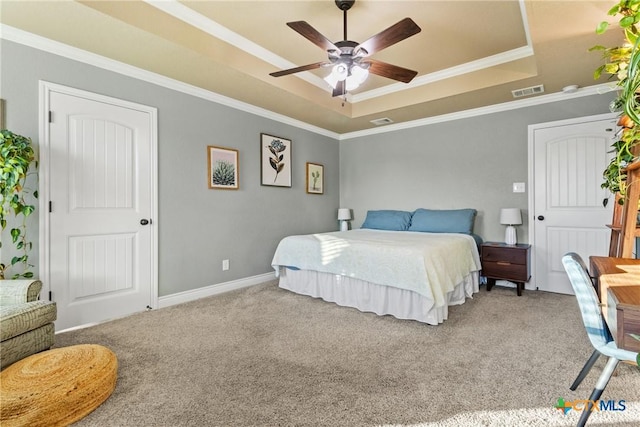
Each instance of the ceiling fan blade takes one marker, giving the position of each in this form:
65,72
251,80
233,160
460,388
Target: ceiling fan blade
392,35
311,34
391,71
297,69
340,89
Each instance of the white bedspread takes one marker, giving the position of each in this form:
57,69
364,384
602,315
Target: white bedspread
431,264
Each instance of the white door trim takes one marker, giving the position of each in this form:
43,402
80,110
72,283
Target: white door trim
45,90
531,177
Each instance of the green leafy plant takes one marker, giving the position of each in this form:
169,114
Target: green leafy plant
630,94
16,159
315,175
224,173
623,63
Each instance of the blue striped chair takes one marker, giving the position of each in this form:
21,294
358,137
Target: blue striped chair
597,330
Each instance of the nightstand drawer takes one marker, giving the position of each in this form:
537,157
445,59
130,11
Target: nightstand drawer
505,270
510,255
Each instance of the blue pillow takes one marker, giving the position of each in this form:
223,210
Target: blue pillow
388,220
443,221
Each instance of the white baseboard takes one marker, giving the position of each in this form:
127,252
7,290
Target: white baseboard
195,294
216,289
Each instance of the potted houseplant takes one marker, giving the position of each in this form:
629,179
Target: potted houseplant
17,162
623,62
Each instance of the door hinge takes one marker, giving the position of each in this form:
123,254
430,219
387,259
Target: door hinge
50,116
50,296
50,206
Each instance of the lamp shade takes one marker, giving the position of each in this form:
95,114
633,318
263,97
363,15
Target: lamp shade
344,214
510,216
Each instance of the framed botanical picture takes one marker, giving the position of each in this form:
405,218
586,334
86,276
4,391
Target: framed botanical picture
315,178
275,161
223,168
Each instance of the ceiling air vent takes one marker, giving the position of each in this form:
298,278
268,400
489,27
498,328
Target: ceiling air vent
383,121
533,90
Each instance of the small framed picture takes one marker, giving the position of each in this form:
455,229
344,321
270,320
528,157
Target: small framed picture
223,168
275,161
315,178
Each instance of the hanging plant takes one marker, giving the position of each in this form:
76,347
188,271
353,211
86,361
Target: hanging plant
16,158
623,62
630,94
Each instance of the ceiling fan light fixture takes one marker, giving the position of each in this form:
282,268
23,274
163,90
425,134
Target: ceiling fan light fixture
332,80
338,73
351,83
360,73
357,76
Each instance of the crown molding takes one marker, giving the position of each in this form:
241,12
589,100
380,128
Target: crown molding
211,27
50,46
448,73
496,108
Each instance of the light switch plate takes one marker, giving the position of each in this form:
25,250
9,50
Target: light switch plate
518,187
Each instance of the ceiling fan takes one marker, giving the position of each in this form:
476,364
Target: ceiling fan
350,60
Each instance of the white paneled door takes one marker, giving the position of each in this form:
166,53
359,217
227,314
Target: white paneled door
101,192
570,212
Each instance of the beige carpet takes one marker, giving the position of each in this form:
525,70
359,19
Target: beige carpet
263,356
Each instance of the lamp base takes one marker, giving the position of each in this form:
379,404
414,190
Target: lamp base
510,235
344,225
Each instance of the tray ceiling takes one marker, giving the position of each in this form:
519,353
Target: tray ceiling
469,54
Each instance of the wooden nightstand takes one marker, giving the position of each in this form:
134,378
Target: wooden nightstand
506,262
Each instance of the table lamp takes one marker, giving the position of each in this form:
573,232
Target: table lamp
344,216
510,217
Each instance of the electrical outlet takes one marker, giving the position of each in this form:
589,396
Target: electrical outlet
225,264
518,187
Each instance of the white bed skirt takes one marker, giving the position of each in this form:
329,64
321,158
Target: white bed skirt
379,299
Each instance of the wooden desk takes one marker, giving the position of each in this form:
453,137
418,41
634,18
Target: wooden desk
624,316
601,265
618,285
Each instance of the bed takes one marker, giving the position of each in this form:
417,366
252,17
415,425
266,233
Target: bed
411,265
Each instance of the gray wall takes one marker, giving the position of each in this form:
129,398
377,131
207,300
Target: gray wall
197,227
467,163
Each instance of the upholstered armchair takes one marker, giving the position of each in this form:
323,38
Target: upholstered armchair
26,324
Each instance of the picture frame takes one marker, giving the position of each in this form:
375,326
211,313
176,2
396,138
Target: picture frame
223,168
315,178
275,161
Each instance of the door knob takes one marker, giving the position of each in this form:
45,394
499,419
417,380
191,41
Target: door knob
540,217
144,221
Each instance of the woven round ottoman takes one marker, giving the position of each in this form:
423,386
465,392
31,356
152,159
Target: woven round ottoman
57,387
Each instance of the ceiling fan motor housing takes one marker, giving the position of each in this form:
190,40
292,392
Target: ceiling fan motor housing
345,4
